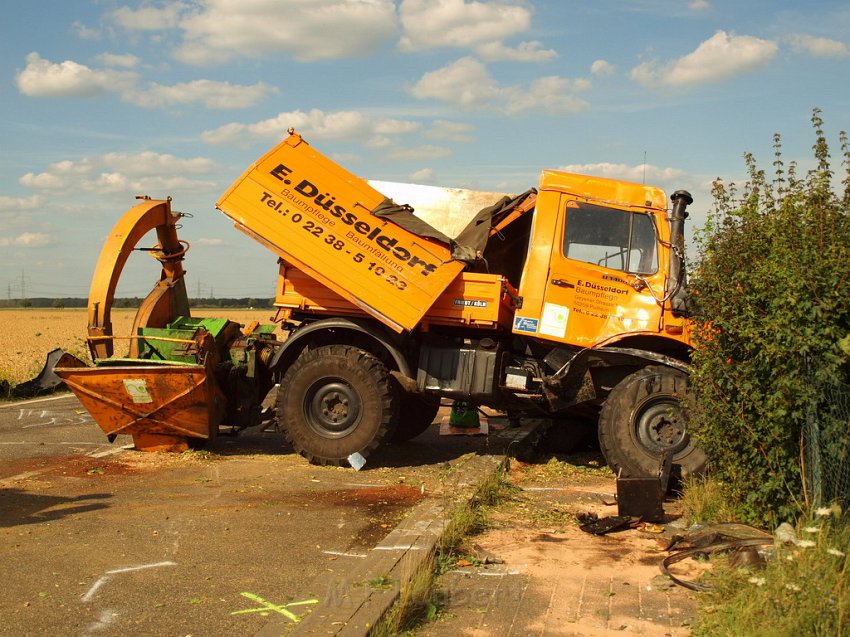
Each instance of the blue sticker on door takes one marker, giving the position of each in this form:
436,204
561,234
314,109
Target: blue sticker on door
524,324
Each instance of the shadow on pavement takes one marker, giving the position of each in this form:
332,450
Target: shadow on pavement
18,507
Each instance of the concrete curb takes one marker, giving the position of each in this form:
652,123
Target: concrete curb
349,606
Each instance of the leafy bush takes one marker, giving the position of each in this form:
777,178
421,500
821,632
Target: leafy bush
773,288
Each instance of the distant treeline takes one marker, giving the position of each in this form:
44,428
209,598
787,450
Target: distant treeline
133,302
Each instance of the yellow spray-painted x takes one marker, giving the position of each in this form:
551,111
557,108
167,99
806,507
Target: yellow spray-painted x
267,606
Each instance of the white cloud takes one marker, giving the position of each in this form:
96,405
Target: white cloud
127,61
151,163
454,131
480,26
306,29
602,68
19,203
467,84
395,127
699,5
315,124
422,176
419,153
59,174
146,172
212,94
26,240
720,57
523,52
43,181
379,141
42,78
84,32
149,18
204,241
626,172
818,47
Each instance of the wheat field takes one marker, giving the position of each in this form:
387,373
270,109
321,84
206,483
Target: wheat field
27,335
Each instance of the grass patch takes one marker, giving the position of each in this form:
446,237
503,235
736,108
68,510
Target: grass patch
379,583
707,501
803,590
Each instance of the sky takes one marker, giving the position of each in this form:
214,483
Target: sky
103,100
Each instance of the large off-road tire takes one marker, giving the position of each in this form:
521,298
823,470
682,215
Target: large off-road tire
416,414
642,417
335,401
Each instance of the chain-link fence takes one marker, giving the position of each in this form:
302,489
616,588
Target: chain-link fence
827,447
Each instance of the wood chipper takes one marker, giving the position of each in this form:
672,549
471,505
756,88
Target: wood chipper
183,376
568,298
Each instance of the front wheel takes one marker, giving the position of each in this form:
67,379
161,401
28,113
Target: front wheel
641,418
335,401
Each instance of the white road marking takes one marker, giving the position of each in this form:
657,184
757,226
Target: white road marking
36,400
344,554
109,452
106,576
106,617
52,418
399,547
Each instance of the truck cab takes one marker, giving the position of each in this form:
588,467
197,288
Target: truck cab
597,266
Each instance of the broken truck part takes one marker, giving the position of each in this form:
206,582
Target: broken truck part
566,300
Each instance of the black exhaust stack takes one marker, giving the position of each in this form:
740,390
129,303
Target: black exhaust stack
677,283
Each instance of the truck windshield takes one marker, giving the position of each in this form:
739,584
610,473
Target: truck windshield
611,238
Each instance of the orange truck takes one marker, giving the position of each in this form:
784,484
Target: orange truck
566,301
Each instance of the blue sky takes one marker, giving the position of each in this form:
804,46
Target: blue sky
103,100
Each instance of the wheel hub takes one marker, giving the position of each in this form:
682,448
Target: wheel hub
332,408
659,427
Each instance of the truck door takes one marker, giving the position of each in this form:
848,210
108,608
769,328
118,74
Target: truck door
602,275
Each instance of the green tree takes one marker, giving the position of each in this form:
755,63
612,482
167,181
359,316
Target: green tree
773,287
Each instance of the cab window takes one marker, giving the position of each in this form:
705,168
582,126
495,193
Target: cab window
612,238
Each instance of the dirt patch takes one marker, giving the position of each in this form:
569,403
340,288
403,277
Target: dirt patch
567,581
67,466
376,499
382,507
389,496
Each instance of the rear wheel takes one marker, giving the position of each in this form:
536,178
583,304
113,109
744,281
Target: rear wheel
335,401
642,417
415,415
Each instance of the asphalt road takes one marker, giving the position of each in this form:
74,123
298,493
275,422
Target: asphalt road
98,539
